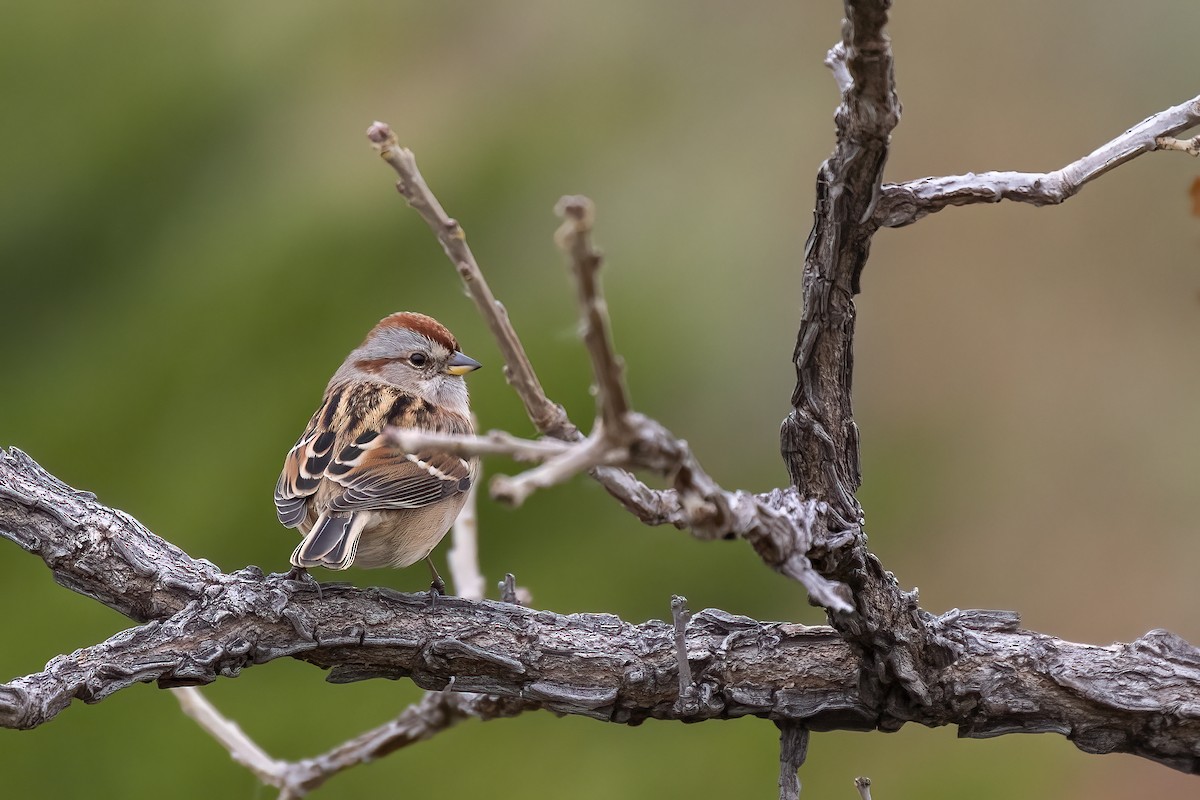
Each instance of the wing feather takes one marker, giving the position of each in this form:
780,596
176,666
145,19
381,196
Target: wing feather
345,447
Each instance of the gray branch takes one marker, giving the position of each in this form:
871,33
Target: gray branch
793,749
1142,697
905,203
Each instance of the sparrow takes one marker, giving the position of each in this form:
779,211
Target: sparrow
357,498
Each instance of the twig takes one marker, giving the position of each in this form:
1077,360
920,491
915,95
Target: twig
548,417
679,618
493,443
905,203
1189,146
433,713
508,590
863,785
463,556
229,734
579,458
574,237
835,59
793,749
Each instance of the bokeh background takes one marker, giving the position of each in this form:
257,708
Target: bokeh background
193,233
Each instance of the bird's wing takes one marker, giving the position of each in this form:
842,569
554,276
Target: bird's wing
302,472
345,445
375,474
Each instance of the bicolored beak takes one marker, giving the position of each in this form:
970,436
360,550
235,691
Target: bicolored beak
462,364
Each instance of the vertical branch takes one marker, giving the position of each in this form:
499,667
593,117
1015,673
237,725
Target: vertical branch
793,749
686,703
819,439
463,556
574,236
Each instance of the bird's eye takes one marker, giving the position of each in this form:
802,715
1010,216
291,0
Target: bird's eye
418,359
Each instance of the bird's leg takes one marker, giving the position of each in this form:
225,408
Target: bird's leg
302,575
437,586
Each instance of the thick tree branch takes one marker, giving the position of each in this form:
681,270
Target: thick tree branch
1139,698
899,642
905,203
819,438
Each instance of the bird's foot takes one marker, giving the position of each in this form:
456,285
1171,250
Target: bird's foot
301,576
437,588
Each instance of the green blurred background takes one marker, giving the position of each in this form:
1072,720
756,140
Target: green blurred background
194,232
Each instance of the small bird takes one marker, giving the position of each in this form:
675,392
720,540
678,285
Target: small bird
356,497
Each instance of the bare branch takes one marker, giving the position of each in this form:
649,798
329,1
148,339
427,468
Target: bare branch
1189,146
574,237
680,616
463,556
229,735
793,749
433,713
548,417
819,439
579,458
493,443
905,203
71,530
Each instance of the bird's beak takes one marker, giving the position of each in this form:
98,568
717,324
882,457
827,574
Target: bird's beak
462,364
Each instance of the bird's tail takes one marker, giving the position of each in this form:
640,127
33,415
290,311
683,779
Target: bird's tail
332,542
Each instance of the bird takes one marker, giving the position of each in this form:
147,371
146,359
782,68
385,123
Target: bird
355,496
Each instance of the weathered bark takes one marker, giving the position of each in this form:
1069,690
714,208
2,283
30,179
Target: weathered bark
1140,698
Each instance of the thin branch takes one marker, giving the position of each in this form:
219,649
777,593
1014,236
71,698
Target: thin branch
229,735
433,713
579,458
492,443
548,417
509,591
793,749
463,556
680,616
574,237
782,538
1189,146
651,506
905,203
